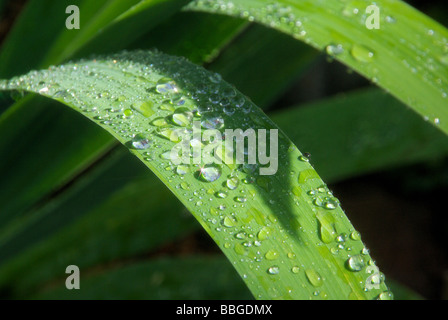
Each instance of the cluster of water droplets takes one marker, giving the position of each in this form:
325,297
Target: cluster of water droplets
153,107
273,14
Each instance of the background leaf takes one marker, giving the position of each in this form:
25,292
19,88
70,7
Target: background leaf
406,56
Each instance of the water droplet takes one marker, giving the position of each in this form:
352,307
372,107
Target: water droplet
295,269
128,113
229,221
314,277
271,255
386,295
166,85
356,263
210,172
264,233
221,194
145,108
215,78
159,122
355,235
390,19
232,183
362,53
274,270
249,168
44,90
182,170
215,122
182,117
238,101
330,204
240,199
140,142
327,230
334,49
177,99
228,92
341,238
185,185
240,235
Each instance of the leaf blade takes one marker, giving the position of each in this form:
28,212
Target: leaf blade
296,216
413,71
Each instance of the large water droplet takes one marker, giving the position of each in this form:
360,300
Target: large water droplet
182,170
355,263
362,53
214,122
271,255
229,221
159,122
210,172
145,108
274,270
140,142
327,230
314,277
386,295
232,183
128,113
182,117
166,85
264,233
215,78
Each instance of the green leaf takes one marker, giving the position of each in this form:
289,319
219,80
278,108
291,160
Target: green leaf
18,150
113,25
201,39
374,132
407,56
91,224
285,233
89,143
164,278
253,66
402,292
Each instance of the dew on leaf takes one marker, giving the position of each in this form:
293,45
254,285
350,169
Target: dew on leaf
271,255
166,85
274,270
362,53
314,277
210,172
182,117
355,263
232,183
140,142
